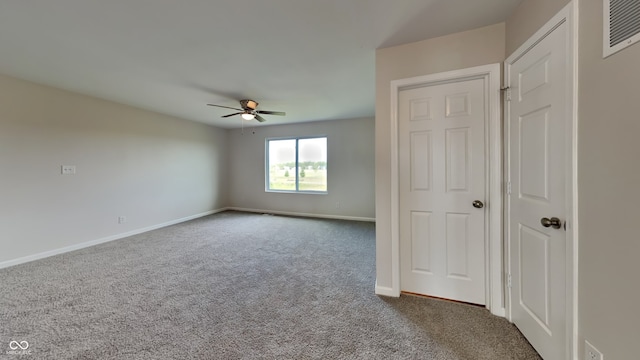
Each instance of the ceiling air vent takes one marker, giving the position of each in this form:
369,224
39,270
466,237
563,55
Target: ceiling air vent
621,25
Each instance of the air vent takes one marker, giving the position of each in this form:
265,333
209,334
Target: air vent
621,25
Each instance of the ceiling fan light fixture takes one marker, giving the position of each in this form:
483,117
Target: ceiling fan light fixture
248,116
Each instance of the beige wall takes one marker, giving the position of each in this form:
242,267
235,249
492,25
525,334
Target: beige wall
148,167
608,178
527,19
609,192
350,162
452,52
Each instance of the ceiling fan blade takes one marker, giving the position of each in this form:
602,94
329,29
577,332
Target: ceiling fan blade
260,118
266,112
225,116
226,107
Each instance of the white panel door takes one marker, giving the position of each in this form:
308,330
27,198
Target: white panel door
537,157
441,174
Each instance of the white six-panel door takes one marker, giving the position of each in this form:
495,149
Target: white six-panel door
537,165
441,173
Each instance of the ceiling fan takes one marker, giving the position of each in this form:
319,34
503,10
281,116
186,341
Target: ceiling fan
249,112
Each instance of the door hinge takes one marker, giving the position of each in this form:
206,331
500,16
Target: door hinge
508,187
507,93
509,280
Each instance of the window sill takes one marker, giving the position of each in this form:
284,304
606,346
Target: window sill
297,192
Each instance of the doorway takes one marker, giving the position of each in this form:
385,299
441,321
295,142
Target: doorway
442,190
456,104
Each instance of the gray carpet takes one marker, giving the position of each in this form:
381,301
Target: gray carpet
237,286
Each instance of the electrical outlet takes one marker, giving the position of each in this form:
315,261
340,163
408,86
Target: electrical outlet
122,219
337,204
591,353
68,169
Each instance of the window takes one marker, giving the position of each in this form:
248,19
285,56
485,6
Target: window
297,164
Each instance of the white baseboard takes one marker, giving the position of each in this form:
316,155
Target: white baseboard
86,244
290,213
386,291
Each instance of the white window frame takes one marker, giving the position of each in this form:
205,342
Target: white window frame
297,190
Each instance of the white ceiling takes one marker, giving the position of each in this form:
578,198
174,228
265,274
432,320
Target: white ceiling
314,59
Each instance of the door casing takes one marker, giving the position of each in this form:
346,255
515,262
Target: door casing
569,16
494,291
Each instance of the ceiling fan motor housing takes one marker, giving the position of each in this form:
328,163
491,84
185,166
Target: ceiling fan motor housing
248,104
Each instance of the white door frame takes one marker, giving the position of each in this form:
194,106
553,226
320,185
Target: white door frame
568,15
493,148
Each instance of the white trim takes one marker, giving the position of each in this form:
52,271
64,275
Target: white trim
86,244
395,189
568,14
572,250
495,258
494,278
385,291
299,214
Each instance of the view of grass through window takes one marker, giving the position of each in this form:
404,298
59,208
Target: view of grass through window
297,164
